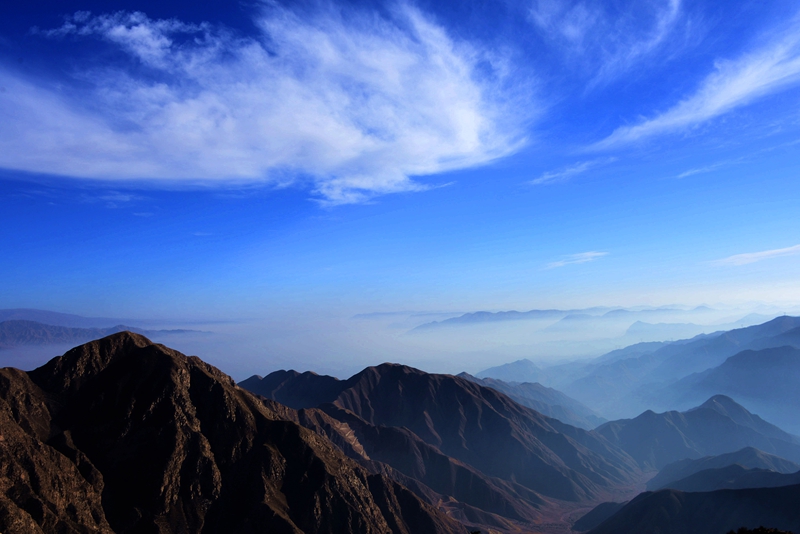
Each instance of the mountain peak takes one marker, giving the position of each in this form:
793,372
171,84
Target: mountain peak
69,371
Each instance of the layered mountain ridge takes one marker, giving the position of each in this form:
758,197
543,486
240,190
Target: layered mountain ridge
472,424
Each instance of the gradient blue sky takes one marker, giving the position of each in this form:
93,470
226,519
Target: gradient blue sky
223,160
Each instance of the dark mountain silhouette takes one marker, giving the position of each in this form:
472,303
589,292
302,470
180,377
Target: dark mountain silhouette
475,425
766,378
718,426
18,332
716,512
748,457
547,401
734,477
124,435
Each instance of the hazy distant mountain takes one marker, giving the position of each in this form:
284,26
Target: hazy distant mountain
547,401
601,314
664,331
734,477
492,317
58,319
124,435
716,512
518,371
766,378
681,360
18,332
748,457
719,426
616,384
470,423
631,351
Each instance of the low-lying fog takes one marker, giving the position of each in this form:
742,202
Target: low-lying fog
344,344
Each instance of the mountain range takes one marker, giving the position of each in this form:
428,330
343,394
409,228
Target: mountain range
122,435
469,423
755,365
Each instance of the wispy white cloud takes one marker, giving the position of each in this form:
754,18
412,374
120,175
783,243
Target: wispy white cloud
733,83
753,257
583,257
607,38
566,173
707,168
354,104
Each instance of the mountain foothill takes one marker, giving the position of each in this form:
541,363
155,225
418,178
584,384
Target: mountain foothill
121,434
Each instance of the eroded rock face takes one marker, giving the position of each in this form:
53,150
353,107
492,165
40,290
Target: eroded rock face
124,435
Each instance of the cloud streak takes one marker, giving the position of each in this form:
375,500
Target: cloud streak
732,84
753,257
562,175
356,106
583,257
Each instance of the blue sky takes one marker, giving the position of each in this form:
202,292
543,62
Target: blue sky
237,160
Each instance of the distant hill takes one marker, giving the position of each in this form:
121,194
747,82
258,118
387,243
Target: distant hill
718,426
493,317
734,477
519,371
749,457
716,512
547,401
58,319
475,425
16,333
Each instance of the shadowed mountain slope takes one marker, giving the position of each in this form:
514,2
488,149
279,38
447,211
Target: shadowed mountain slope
121,434
472,424
547,401
718,426
749,457
716,512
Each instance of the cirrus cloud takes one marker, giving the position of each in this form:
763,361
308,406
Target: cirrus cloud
582,257
753,257
733,83
354,105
